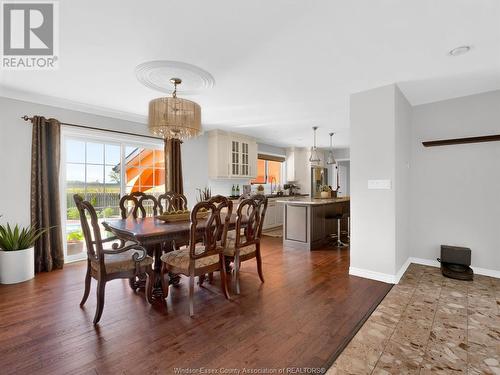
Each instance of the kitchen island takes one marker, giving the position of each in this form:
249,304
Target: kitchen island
305,225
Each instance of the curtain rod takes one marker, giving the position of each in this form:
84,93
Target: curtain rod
27,118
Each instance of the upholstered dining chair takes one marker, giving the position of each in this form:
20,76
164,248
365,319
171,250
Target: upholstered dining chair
143,205
205,252
244,243
139,205
171,201
122,261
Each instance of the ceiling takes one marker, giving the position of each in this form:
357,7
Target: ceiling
279,66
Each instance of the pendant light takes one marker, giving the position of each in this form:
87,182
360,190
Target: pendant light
331,159
314,158
174,118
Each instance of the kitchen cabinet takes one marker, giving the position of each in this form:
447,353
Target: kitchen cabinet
231,155
297,167
274,213
270,218
279,213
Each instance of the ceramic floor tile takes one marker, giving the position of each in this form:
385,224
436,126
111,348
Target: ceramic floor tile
429,324
399,359
358,358
387,316
451,343
439,364
373,334
411,334
484,360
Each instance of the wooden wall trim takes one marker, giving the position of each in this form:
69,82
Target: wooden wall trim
457,141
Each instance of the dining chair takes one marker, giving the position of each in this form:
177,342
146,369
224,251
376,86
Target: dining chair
244,243
139,205
122,261
205,252
171,201
143,205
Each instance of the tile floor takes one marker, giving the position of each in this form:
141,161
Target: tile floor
429,324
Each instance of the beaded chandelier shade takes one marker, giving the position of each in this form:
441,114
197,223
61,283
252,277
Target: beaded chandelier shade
172,117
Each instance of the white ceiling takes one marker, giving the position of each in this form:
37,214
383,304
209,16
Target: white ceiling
280,66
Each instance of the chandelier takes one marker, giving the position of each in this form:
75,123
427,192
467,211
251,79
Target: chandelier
314,158
331,160
172,117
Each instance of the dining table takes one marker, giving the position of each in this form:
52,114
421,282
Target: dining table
154,233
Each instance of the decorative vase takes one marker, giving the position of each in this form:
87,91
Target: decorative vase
17,266
325,194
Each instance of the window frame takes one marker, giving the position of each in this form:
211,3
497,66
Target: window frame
282,170
122,140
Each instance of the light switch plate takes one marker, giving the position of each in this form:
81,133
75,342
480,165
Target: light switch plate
379,184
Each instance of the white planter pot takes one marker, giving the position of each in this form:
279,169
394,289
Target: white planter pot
17,266
326,194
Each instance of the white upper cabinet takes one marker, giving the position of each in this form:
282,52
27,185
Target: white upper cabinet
231,155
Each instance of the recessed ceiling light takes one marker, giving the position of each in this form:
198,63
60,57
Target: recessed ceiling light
462,50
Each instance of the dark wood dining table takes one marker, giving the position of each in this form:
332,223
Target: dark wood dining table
151,232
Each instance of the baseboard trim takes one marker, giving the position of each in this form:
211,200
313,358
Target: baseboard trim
477,270
394,279
402,270
373,275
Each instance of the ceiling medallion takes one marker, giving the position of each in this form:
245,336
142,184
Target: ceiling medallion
156,75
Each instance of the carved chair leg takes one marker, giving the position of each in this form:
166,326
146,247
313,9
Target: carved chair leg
150,279
210,277
164,278
236,274
132,282
259,262
201,279
191,292
223,282
101,285
88,278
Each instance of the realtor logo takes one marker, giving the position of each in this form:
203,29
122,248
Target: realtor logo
30,35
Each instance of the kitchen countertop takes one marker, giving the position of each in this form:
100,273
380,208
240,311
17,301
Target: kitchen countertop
275,196
314,201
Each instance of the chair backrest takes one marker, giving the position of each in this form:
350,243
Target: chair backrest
212,229
250,216
92,233
140,206
171,201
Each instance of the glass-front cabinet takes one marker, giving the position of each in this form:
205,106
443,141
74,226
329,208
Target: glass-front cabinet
235,158
245,168
231,155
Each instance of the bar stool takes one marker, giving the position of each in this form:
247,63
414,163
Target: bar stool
337,217
347,232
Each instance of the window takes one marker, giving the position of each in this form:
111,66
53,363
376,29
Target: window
268,171
93,168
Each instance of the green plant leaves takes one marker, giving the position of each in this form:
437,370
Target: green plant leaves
19,238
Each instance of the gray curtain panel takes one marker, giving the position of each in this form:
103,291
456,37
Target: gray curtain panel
45,208
173,166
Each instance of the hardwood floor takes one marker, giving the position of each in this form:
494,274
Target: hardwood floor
299,317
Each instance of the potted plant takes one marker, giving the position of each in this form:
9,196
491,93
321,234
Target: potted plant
17,253
204,194
326,192
260,189
75,242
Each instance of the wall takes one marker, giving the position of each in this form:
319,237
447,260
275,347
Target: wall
373,212
263,148
403,113
15,150
344,167
456,189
